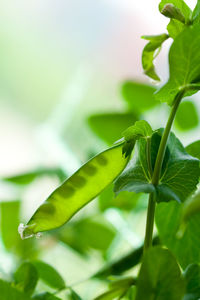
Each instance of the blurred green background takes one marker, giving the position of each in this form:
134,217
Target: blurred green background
70,82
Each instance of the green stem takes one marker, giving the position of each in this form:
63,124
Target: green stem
163,143
148,153
157,171
150,222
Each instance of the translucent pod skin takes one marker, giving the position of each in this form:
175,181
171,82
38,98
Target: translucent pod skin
79,189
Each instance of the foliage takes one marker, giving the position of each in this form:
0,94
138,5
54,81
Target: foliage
143,162
158,284
174,185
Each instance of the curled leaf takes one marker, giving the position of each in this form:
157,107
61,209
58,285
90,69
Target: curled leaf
141,129
150,52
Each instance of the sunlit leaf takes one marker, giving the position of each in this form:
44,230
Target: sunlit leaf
83,186
109,126
139,96
185,50
160,277
25,278
184,244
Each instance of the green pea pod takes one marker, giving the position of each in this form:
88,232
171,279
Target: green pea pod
79,189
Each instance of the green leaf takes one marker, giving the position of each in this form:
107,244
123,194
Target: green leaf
159,277
112,294
8,292
185,51
45,296
27,178
9,223
177,7
98,234
109,126
73,295
136,177
123,263
130,295
175,28
83,186
150,52
139,96
179,176
191,208
124,201
25,278
49,275
187,116
196,13
118,289
141,129
194,149
192,278
185,245
88,233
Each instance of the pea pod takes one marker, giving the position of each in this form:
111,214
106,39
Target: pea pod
79,189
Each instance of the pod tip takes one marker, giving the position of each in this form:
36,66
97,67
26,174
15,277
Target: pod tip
26,231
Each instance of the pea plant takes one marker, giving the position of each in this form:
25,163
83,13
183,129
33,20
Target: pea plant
143,161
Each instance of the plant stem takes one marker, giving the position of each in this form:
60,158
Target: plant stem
148,153
157,171
150,222
163,143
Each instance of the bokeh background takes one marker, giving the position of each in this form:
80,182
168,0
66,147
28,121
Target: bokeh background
60,63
